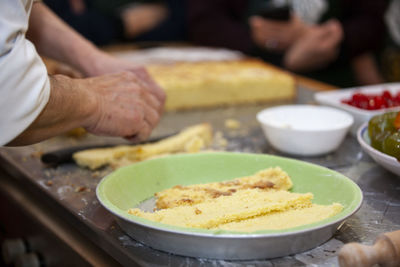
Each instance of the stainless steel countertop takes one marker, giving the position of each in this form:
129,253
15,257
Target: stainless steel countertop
72,190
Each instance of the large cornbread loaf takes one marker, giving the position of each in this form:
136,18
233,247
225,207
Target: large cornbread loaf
215,83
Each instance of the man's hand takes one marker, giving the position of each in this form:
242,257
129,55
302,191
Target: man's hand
127,104
318,47
275,35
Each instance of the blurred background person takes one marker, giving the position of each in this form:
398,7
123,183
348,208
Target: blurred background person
104,22
390,56
331,41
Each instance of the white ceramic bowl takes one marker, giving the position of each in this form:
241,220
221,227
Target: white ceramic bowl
388,162
304,130
333,99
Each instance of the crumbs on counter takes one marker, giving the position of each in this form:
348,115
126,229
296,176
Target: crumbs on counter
95,174
232,124
219,140
80,189
37,154
76,133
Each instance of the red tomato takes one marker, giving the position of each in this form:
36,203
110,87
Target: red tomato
373,101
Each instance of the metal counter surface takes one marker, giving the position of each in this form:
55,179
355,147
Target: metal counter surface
71,190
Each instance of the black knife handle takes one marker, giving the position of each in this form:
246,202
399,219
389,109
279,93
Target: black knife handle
64,155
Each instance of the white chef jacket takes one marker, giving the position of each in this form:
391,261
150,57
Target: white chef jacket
24,84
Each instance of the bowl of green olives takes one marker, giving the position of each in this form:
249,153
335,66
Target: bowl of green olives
380,138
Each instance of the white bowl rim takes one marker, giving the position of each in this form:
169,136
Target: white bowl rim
347,125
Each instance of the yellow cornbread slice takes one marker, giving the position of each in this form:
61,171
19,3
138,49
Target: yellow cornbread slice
284,219
96,158
214,83
191,140
241,205
271,178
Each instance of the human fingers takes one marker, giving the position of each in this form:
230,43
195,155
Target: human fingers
124,107
141,118
140,86
147,81
133,93
152,101
142,103
151,115
336,30
260,22
274,35
131,82
330,32
256,21
142,134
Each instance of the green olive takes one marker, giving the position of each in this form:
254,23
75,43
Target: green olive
391,145
383,134
381,127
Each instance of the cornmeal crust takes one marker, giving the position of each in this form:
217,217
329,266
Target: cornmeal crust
247,204
189,140
271,178
285,219
215,83
241,205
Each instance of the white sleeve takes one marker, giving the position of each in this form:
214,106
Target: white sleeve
24,84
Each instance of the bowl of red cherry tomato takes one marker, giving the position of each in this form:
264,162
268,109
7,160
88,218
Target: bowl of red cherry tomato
363,102
370,101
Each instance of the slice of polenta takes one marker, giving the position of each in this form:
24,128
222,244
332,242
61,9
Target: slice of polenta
189,140
284,219
99,157
243,204
271,178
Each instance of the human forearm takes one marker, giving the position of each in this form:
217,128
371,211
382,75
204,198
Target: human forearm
316,49
125,104
69,106
55,39
366,70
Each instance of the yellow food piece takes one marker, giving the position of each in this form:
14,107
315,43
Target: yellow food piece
241,205
214,83
247,204
190,140
232,124
96,158
284,219
271,178
77,132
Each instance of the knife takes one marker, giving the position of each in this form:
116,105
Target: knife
64,155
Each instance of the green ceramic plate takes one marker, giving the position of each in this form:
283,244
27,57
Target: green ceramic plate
129,186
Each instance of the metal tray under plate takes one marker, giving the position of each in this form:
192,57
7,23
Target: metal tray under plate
129,186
